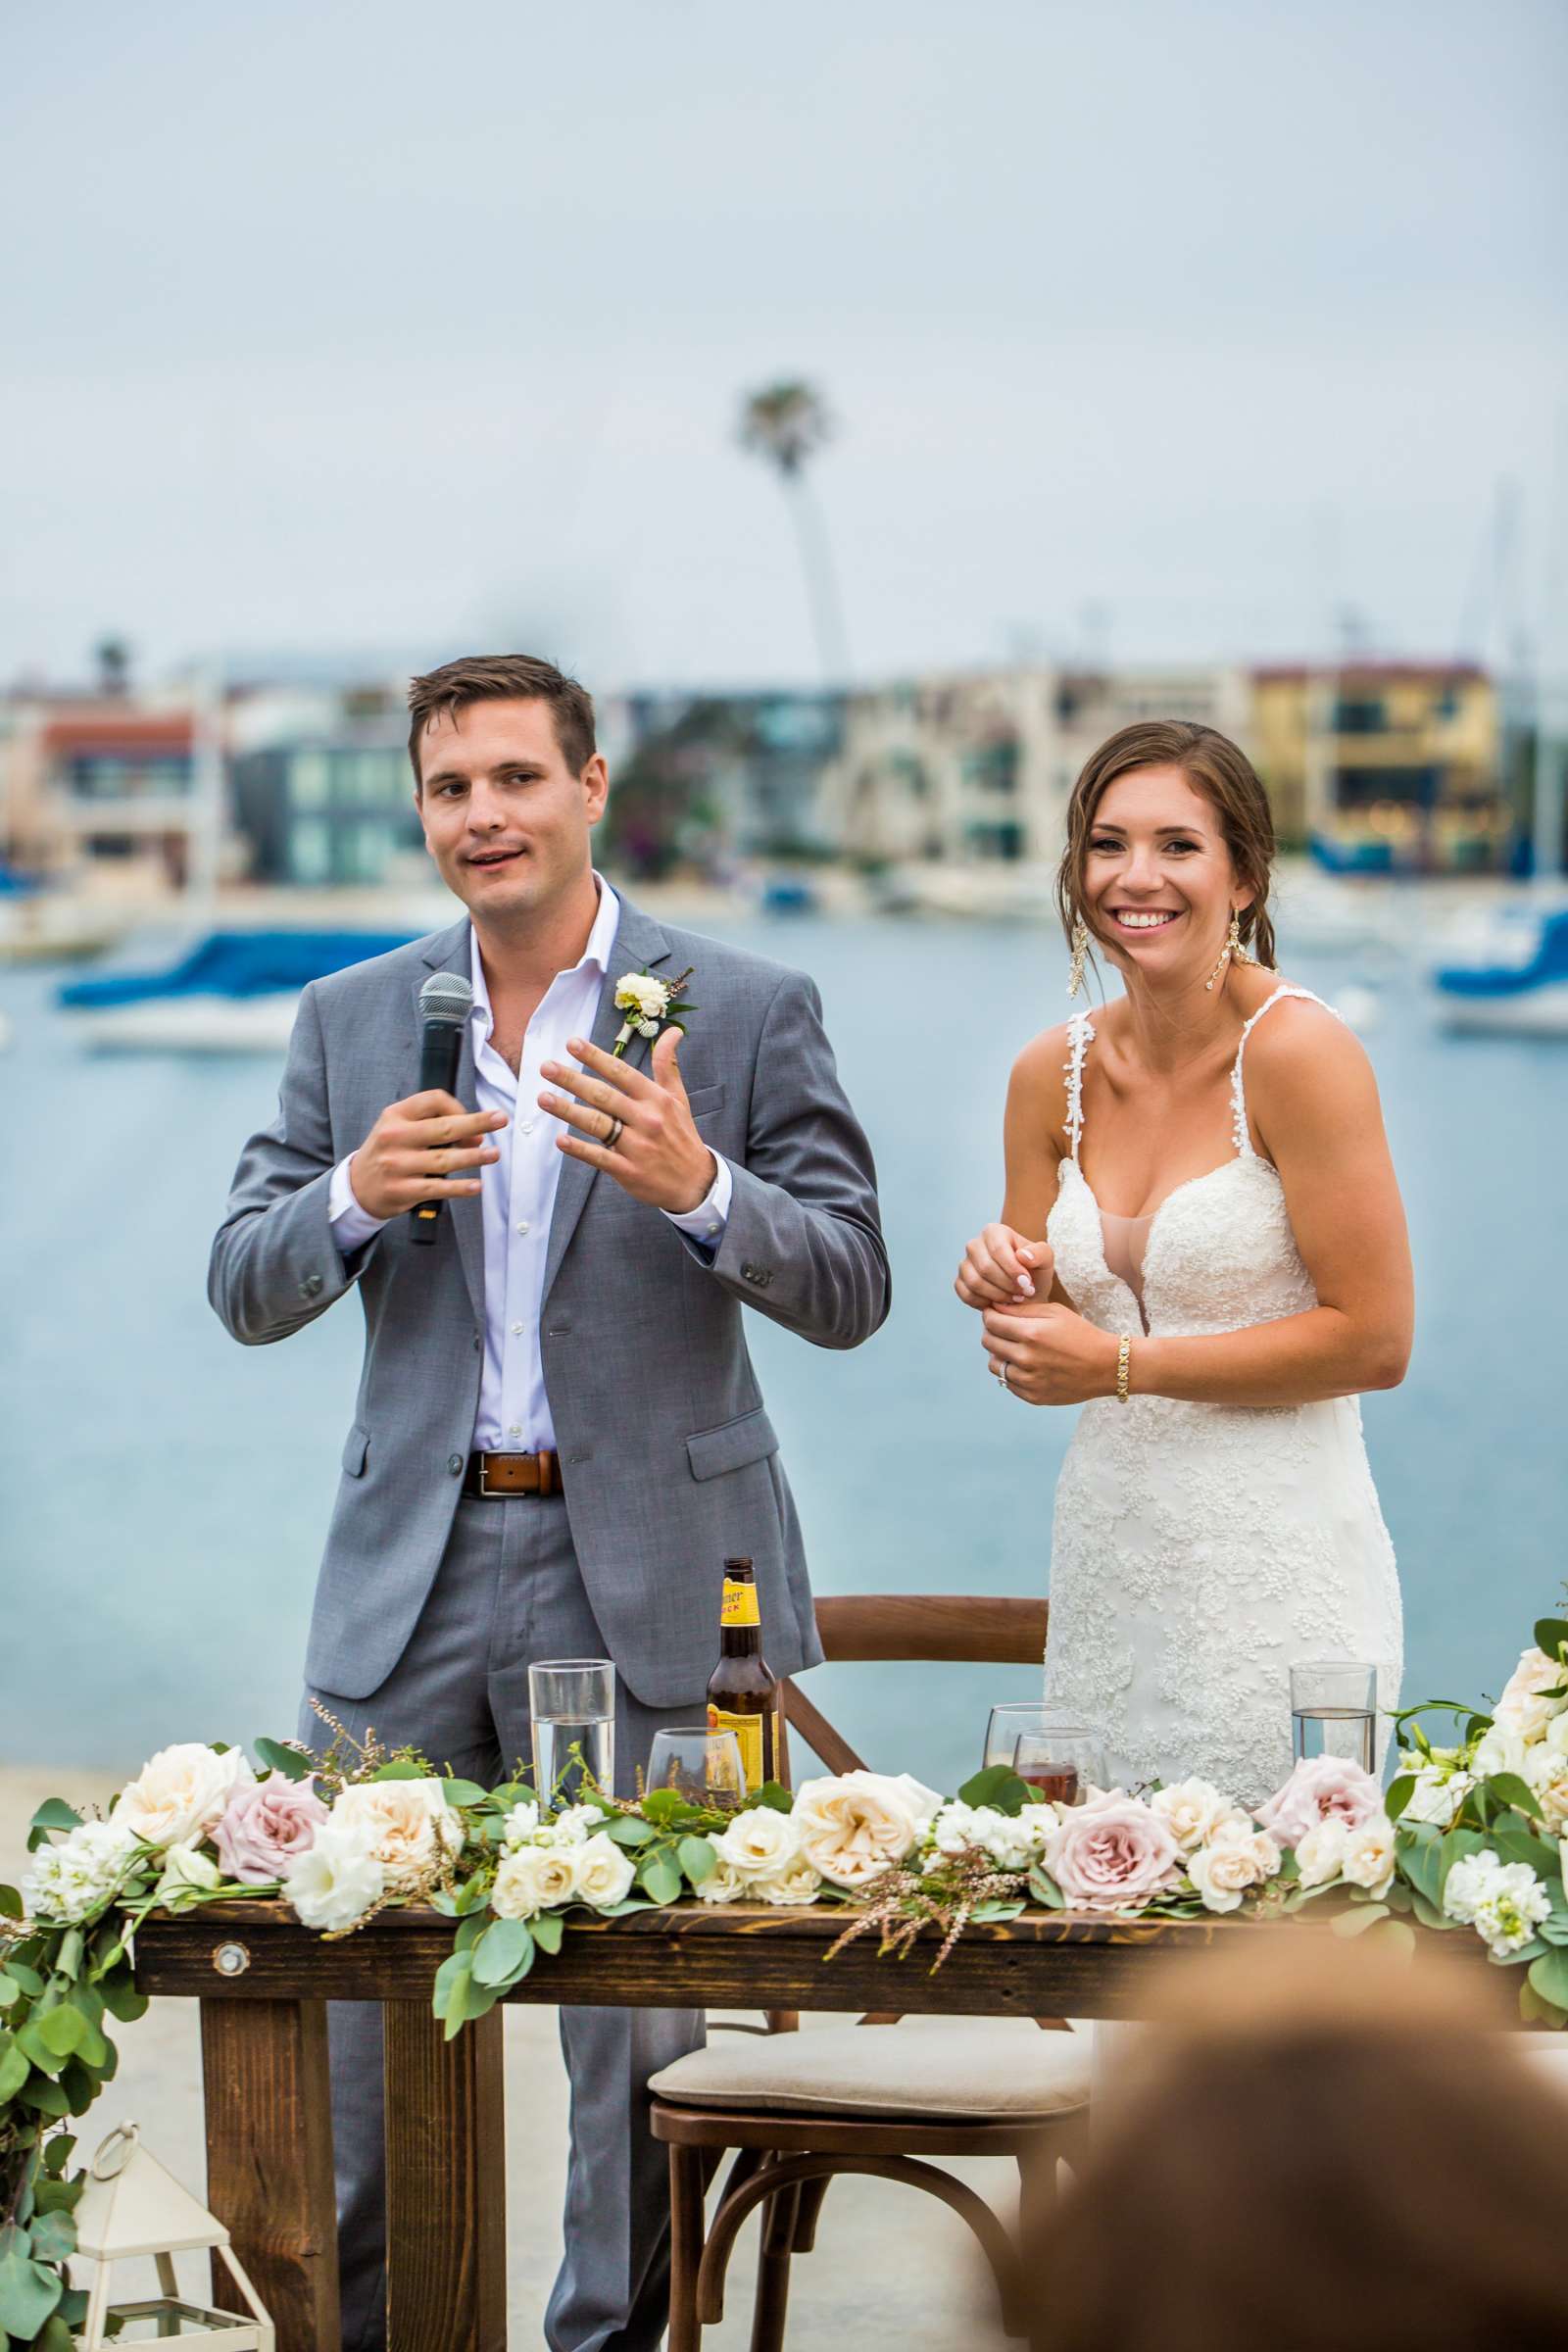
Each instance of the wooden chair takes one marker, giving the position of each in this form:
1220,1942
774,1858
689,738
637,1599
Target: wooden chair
786,2156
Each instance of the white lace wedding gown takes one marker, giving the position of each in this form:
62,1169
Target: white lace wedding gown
1199,1551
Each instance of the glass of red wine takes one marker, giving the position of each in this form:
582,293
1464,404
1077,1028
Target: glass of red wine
1062,1763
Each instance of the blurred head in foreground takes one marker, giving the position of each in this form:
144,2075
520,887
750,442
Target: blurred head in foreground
1322,2147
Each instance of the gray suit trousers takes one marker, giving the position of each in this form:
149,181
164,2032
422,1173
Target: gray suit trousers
507,1592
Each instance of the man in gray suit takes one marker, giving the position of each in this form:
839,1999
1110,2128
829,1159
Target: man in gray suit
558,1435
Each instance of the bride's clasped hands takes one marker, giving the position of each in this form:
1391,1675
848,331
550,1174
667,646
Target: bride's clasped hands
1043,1352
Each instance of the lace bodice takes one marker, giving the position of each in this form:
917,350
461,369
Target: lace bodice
1199,1549
1218,1252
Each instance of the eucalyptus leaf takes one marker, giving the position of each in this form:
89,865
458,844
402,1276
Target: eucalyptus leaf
284,1760
1550,1635
63,2029
27,1977
1358,1922
53,1814
1548,1976
773,1795
401,1769
993,1912
14,2068
627,1829
43,2096
463,1793
548,1929
1046,1891
1397,1794
659,1876
667,1810
43,2054
54,2238
998,1786
505,1950
1514,1792
28,2292
696,1859
9,1903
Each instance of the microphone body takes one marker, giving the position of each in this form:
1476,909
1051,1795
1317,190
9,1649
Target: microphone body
444,1005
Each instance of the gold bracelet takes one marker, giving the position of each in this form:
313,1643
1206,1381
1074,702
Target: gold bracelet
1124,1364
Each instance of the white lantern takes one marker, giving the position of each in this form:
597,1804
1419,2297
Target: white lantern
131,2206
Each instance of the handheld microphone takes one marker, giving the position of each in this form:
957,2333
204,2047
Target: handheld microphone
445,1003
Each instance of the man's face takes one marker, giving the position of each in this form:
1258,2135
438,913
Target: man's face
505,818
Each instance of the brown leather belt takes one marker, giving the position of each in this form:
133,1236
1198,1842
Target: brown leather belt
493,1475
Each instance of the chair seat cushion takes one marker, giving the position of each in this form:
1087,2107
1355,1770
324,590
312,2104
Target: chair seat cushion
985,2066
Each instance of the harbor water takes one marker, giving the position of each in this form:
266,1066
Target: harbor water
164,1493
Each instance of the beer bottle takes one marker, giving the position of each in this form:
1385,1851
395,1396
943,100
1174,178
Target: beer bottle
741,1691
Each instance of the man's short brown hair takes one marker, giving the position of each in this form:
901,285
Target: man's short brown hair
504,678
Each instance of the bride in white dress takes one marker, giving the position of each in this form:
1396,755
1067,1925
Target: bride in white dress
1202,1244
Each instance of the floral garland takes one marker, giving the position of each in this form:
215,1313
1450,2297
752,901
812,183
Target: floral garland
1469,1834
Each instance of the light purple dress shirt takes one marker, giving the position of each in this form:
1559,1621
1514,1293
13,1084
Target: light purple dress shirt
518,1193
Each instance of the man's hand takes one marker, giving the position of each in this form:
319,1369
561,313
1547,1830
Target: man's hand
1051,1355
412,1151
1000,1268
658,1156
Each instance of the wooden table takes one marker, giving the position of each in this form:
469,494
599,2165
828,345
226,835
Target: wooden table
262,1981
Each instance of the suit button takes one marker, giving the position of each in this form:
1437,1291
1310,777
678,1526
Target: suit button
758,1274
311,1286
477,1342
454,1465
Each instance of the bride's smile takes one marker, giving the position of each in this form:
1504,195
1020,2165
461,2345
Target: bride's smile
1158,876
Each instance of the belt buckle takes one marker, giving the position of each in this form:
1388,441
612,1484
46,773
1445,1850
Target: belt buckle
485,1488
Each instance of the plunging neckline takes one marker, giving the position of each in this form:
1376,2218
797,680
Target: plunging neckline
1154,1215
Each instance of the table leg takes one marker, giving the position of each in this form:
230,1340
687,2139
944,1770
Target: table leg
446,2184
269,2162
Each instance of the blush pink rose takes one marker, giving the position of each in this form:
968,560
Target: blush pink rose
1320,1788
266,1826
1112,1854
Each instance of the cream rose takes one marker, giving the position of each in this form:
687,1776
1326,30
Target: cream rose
602,1872
723,1883
408,1825
1501,1749
1369,1856
1320,1856
855,1825
1234,1861
1192,1810
534,1878
182,1793
1547,1771
796,1886
1523,1707
762,1843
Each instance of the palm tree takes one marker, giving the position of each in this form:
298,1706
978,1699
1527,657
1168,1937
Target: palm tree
787,424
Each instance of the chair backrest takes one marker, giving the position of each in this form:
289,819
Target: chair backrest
967,1629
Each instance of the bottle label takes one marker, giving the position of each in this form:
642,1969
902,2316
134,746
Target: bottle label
748,1731
739,1605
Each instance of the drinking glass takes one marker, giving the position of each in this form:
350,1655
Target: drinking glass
1062,1764
704,1766
572,1705
1008,1724
1334,1706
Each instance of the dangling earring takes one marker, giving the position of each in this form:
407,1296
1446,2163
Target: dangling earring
1080,949
1233,946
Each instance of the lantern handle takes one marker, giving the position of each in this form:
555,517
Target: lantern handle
114,2152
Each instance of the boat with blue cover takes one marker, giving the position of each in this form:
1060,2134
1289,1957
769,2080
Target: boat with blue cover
1519,994
231,991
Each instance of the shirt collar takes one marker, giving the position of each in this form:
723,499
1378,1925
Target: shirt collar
595,956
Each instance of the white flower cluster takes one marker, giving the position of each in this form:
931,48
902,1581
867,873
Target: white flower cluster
1011,1840
382,1838
1504,1901
1362,1856
571,1859
646,999
758,1858
1528,1737
75,1878
1226,1854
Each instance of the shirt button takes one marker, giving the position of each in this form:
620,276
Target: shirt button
517,1331
522,1228
455,1463
527,1127
516,1431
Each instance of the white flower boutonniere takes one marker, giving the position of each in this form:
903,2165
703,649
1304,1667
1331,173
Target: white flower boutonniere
650,1006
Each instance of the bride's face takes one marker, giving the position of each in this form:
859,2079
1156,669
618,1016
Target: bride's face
1159,877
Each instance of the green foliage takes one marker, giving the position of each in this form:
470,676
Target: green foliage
772,1794
658,1874
286,1760
1551,1633
504,1953
696,1859
999,1788
53,1814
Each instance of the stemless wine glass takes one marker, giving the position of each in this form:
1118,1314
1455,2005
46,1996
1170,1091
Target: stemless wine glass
1334,1709
704,1766
1062,1763
1009,1723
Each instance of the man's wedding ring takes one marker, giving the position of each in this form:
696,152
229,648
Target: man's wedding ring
1002,1375
613,1137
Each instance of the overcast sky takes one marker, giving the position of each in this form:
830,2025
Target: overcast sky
1154,327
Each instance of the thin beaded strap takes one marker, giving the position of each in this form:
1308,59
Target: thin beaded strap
1239,1127
1080,1036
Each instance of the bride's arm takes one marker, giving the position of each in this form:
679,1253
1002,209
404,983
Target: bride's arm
1314,1105
1032,1145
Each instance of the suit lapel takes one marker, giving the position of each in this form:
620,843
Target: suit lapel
451,951
639,945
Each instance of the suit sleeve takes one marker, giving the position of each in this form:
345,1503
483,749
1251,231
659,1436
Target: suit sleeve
803,1241
274,1265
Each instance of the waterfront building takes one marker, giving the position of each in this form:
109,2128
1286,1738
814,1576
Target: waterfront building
1385,766
112,783
331,806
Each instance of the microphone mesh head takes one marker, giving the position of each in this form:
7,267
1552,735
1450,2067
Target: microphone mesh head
447,997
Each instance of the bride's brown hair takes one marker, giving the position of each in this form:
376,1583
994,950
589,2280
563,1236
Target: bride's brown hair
1214,766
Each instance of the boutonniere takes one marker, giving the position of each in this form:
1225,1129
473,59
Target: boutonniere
649,1005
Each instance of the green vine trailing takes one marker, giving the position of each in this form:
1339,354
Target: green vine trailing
1469,1836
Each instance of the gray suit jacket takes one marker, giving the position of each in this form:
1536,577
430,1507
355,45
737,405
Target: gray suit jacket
669,1459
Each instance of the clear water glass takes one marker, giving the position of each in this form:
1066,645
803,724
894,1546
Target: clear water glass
572,1703
702,1766
1009,1723
1334,1710
1062,1764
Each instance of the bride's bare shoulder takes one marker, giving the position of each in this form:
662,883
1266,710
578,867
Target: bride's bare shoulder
1302,1052
1039,1083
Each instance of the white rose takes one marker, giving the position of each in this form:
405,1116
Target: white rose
1369,1855
1523,1707
855,1825
573,1825
1236,1859
1547,1771
1320,1855
187,1873
1501,1749
1557,1734
333,1885
762,1843
534,1878
520,1824
182,1793
71,1880
408,1825
602,1872
798,1885
724,1884
1192,1810
640,990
